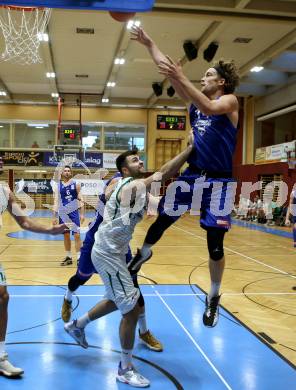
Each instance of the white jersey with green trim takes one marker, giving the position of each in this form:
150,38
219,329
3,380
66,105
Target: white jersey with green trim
116,230
3,200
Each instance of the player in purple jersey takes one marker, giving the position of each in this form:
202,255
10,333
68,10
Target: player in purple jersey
213,113
67,202
86,269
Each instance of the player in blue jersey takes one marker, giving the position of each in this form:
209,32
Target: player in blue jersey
213,113
67,203
292,211
86,269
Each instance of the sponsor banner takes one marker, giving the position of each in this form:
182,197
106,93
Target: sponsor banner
34,186
93,159
277,152
22,158
90,159
260,155
109,160
91,186
274,152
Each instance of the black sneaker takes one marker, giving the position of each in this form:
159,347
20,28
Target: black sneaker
211,313
67,261
136,262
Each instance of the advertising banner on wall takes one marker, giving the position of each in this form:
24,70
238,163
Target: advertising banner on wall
22,158
34,186
91,186
92,160
260,155
109,160
279,152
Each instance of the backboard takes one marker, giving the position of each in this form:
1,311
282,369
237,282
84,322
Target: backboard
107,5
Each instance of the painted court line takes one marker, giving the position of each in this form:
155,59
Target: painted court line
193,341
240,254
150,295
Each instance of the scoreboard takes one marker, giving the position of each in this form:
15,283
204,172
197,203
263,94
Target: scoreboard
171,122
70,133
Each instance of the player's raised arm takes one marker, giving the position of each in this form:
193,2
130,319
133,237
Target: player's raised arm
140,35
28,223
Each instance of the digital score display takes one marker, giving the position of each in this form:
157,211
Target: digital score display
69,133
171,122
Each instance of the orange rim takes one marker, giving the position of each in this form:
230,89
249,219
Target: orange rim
17,8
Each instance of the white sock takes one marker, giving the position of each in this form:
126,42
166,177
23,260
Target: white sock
83,321
142,323
68,295
146,249
2,348
69,254
126,358
214,292
78,255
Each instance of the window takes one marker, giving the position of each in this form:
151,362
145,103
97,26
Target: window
4,135
91,136
34,135
124,137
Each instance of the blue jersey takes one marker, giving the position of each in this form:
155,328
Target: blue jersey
90,236
214,140
68,193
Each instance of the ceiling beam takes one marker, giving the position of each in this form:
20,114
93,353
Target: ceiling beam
120,52
241,3
8,97
269,53
264,16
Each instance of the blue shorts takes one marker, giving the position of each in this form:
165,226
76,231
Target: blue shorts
85,266
71,218
212,199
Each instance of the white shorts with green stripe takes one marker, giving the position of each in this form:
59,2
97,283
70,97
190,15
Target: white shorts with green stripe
118,282
2,276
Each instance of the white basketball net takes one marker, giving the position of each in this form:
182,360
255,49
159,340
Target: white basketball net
23,31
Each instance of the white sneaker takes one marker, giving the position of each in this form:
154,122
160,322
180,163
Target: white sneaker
76,333
131,377
7,369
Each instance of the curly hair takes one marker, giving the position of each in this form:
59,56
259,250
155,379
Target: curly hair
227,70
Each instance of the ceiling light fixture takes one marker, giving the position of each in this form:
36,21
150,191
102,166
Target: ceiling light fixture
43,37
111,84
50,75
257,69
132,23
54,95
105,100
119,61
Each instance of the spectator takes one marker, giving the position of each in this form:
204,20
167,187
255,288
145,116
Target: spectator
256,209
97,144
49,144
35,145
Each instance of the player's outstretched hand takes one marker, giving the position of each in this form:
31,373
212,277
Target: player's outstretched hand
55,221
59,229
287,223
138,34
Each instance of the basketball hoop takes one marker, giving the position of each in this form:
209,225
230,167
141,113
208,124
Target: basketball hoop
23,29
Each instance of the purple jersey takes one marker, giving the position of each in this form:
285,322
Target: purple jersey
214,140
